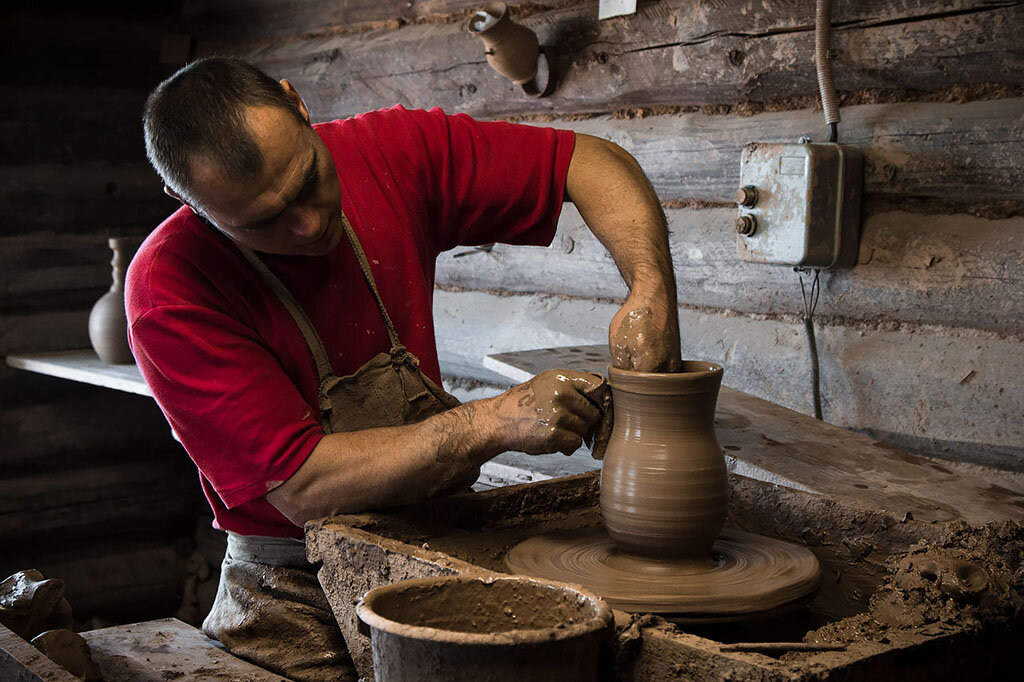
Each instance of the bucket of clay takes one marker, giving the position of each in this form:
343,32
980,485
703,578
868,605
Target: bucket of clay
469,628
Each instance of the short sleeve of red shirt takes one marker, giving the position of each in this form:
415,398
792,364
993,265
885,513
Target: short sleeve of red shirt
219,384
482,181
229,367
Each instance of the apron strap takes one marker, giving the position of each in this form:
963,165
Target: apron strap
364,265
316,346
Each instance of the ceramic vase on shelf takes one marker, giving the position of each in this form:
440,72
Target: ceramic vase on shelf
108,322
664,485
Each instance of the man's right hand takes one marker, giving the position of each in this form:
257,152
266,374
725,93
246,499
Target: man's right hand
549,413
354,471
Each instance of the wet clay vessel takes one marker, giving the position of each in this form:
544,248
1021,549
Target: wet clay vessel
664,490
470,628
664,485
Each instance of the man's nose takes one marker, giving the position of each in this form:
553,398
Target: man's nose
305,221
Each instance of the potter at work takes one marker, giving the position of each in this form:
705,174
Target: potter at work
664,490
282,318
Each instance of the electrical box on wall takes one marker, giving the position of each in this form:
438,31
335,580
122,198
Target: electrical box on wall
799,204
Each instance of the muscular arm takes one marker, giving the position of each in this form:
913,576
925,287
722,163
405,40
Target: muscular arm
620,207
383,467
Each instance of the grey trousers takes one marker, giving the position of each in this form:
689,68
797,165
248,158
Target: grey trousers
271,610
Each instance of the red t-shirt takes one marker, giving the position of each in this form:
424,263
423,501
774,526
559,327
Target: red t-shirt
225,360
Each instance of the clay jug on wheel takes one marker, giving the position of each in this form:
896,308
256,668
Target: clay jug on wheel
664,485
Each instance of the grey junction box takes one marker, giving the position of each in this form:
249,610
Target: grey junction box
799,204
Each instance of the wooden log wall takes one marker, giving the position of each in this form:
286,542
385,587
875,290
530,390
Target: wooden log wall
92,487
920,344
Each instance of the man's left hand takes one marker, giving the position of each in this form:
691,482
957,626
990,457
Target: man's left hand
644,335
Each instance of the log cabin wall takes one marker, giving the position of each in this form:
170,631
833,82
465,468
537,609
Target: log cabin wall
92,487
920,344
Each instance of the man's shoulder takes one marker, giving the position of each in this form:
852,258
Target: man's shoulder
177,264
381,126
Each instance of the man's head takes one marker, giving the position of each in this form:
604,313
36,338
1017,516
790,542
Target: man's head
237,147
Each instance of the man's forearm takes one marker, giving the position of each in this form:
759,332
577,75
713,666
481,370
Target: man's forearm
620,207
360,470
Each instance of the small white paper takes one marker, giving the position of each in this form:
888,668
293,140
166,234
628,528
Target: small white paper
615,8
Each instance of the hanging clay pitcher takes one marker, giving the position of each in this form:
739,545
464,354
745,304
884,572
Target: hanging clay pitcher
108,322
664,485
512,50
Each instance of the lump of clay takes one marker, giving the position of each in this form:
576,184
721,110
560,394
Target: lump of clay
30,604
70,651
952,577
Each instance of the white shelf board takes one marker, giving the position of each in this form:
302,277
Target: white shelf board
83,366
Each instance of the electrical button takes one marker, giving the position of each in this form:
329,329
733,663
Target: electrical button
746,225
746,196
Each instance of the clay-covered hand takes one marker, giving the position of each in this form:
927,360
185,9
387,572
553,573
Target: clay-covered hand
644,336
549,413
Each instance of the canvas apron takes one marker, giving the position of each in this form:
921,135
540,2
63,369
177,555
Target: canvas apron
270,608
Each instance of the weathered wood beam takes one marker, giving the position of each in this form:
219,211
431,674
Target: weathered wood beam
155,493
941,151
677,53
94,198
47,271
122,579
48,422
42,331
261,19
937,270
71,125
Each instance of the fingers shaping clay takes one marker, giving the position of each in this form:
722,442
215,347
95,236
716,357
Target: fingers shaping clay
664,489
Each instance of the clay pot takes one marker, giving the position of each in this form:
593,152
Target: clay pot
664,485
462,627
512,50
108,322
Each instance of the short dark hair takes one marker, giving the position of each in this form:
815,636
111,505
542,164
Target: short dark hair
200,110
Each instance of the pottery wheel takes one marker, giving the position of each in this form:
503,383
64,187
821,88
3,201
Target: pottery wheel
746,572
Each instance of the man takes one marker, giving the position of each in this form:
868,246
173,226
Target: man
282,318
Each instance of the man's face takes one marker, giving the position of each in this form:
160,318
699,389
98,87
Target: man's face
293,207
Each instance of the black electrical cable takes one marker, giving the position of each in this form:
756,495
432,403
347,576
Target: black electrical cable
833,132
810,303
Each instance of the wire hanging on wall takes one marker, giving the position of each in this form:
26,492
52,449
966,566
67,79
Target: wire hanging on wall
810,299
830,108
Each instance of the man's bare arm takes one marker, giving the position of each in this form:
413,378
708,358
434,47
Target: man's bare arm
384,467
620,207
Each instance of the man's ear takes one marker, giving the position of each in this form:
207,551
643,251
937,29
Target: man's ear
296,99
174,195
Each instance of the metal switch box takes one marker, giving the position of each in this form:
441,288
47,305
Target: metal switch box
799,204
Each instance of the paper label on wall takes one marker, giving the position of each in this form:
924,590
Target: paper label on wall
615,8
